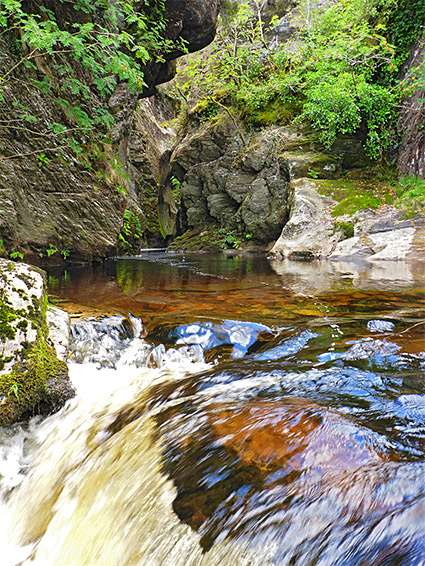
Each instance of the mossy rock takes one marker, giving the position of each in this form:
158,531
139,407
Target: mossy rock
354,195
312,164
32,378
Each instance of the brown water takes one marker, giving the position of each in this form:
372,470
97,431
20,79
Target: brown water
301,443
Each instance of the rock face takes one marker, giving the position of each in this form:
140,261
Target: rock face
411,159
309,232
239,188
313,232
32,378
51,195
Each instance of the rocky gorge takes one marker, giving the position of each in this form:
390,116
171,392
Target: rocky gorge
191,173
161,172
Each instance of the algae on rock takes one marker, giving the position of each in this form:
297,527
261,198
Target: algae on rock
32,378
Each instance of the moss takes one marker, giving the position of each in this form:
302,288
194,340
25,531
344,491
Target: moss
26,386
26,389
347,229
29,281
354,203
22,325
7,316
354,195
201,239
276,112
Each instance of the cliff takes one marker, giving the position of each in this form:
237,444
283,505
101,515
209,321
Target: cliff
67,185
411,157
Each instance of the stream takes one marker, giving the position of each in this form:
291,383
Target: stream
230,410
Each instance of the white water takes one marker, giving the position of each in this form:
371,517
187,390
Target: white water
76,493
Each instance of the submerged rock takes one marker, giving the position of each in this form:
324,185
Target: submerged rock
32,378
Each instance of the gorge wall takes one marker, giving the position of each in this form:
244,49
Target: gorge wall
66,196
60,202
411,159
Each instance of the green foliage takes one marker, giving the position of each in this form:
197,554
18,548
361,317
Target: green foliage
42,159
176,188
16,255
131,233
342,78
410,191
51,250
82,61
228,239
14,389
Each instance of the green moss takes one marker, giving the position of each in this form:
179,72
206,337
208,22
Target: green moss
26,385
354,195
22,325
207,238
7,316
347,229
276,112
353,203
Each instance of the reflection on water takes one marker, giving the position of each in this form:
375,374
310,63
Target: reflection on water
188,287
238,413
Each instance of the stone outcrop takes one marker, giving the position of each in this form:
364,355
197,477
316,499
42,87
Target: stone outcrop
33,376
411,158
51,195
314,232
239,187
309,232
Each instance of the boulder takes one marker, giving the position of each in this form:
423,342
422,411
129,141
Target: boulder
383,236
33,378
313,231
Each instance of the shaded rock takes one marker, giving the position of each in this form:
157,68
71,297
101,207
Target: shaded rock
239,188
32,379
411,157
51,194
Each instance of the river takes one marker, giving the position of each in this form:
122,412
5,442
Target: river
230,410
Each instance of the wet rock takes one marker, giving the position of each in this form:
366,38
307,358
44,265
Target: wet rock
380,326
32,378
234,457
58,323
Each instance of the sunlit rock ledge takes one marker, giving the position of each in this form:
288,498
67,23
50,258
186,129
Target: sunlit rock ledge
33,346
313,232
